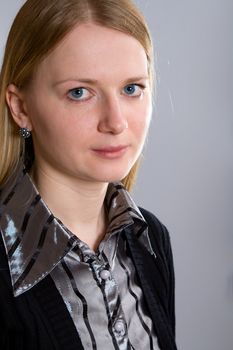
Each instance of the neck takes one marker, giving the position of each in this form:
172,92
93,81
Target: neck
78,204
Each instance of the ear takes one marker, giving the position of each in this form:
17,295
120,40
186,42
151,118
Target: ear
17,105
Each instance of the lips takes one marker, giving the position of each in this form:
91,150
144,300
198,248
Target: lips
111,152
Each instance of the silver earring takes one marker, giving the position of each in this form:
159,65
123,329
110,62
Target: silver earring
24,133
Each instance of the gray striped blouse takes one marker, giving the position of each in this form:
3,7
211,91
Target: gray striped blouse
100,289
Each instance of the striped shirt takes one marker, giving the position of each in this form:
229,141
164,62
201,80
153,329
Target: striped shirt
100,289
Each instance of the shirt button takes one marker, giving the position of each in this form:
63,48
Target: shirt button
104,274
120,327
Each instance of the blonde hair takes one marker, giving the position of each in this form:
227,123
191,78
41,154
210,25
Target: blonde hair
38,27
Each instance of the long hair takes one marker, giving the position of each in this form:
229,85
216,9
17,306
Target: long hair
38,28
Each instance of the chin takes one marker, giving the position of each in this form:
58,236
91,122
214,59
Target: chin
116,171
112,176
109,179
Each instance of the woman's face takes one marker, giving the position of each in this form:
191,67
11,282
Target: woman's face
89,105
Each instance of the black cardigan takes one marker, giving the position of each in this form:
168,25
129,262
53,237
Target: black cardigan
39,320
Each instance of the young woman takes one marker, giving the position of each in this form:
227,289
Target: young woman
82,267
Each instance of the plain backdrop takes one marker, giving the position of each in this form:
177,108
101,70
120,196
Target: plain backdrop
187,171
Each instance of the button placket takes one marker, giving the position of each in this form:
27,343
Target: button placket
107,284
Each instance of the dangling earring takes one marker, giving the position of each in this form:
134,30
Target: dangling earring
24,133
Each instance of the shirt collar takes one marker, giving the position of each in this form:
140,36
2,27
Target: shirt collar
35,241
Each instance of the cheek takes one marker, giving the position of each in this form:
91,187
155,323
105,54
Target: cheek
51,119
62,128
41,111
141,120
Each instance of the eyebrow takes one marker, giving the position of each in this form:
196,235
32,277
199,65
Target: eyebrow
135,79
94,81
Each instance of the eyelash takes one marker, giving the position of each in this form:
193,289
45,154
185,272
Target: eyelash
140,86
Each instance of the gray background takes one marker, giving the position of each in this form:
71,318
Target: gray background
186,176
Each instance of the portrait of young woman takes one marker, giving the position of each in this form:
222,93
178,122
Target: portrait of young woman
81,265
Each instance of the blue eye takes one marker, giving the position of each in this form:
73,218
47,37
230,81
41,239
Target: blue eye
130,89
78,93
133,90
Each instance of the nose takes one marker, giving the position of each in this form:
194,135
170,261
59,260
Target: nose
112,119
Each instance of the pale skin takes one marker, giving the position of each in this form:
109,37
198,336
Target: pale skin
88,107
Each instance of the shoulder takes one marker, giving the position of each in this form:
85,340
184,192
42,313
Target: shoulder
157,231
151,219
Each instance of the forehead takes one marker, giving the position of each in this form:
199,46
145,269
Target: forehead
95,51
